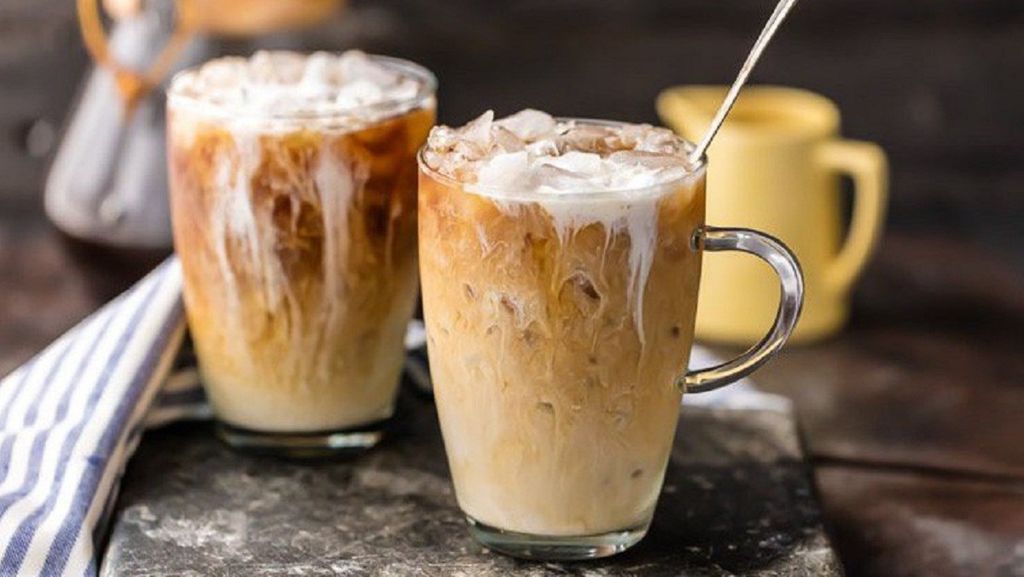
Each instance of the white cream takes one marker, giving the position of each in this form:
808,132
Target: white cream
581,173
336,186
280,88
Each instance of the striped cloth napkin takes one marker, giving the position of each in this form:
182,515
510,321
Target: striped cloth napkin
69,420
72,416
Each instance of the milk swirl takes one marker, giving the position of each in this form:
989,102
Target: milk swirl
581,173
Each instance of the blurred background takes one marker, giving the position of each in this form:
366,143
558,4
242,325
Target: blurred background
911,416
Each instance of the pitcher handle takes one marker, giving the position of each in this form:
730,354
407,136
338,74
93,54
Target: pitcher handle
131,84
865,162
787,268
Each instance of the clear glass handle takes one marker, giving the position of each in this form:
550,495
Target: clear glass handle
772,251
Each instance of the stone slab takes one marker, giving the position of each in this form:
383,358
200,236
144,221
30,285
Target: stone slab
737,500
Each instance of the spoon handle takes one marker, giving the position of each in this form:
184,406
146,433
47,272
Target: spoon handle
773,23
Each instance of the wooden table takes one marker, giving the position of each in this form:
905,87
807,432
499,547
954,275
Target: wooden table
913,416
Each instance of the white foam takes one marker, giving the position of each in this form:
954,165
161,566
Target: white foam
281,83
530,152
530,157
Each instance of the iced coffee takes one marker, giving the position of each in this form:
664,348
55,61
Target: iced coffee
559,281
293,195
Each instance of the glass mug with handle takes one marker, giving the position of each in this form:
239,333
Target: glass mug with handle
560,263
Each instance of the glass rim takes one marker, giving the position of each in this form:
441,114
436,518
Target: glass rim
377,110
694,173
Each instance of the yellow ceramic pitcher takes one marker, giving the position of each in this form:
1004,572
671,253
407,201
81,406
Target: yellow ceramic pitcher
774,166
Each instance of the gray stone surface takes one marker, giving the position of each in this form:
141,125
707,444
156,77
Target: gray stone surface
737,500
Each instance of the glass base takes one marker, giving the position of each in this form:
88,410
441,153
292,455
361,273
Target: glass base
313,445
555,548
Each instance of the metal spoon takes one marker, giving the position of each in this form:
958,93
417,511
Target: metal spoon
774,21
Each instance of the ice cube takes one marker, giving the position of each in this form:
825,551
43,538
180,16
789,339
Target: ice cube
546,147
358,93
551,178
657,140
583,163
673,173
586,137
354,64
478,130
317,70
505,140
271,67
644,159
504,169
528,124
442,138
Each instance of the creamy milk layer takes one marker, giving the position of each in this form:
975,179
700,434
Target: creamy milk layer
559,285
297,238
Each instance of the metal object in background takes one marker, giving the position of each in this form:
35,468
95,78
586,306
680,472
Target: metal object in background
108,182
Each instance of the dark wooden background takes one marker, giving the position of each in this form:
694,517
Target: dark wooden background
914,416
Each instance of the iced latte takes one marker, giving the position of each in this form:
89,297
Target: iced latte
559,283
293,194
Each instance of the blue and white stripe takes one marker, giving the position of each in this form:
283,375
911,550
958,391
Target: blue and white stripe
69,419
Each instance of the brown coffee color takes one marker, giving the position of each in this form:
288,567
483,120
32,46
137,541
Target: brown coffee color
298,245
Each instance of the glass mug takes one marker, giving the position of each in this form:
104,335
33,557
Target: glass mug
558,416
297,239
